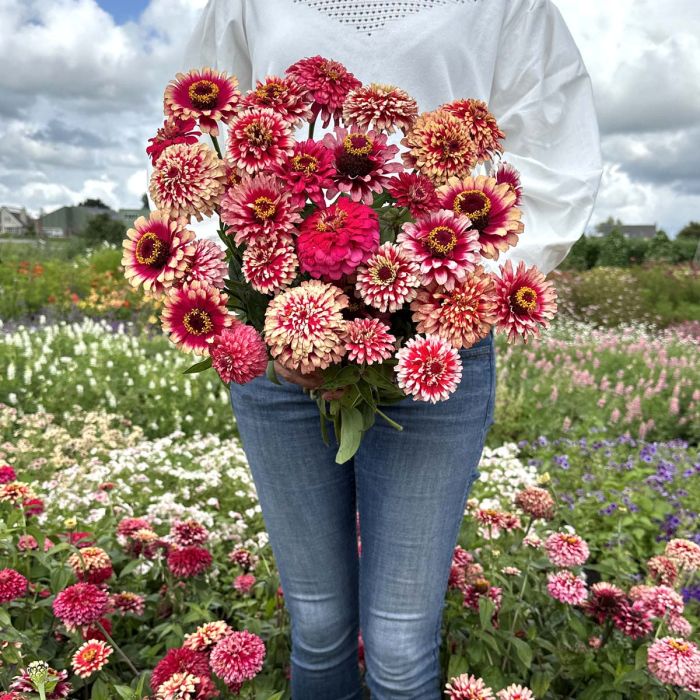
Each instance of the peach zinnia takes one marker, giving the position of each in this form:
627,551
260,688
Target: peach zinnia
381,107
489,206
269,266
207,264
466,687
482,125
369,341
283,96
206,95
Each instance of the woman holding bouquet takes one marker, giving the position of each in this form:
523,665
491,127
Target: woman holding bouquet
409,488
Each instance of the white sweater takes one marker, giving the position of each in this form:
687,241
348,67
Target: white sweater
517,55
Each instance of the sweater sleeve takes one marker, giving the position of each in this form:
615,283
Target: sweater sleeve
543,100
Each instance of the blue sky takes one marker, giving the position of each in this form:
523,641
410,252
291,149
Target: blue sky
123,10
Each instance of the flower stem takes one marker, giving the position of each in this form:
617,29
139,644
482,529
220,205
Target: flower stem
118,648
217,148
391,422
312,125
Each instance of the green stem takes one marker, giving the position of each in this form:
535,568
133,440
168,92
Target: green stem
312,126
391,422
42,693
118,649
217,148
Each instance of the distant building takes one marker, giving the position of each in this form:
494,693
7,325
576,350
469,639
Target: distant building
635,231
70,221
128,216
15,221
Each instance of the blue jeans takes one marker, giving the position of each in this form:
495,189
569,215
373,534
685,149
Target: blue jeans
410,490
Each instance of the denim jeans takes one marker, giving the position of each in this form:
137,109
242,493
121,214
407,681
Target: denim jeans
409,489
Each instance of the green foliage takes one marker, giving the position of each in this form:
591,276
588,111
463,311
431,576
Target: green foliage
103,228
691,232
614,250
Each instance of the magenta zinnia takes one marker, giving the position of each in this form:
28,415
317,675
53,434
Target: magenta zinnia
238,657
307,171
414,191
489,206
207,264
507,174
238,354
380,107
369,341
605,602
304,326
206,95
157,252
334,241
179,660
127,602
283,96
443,245
12,585
463,315
193,315
466,687
429,369
187,532
80,604
633,622
674,661
526,301
270,265
92,564
91,657
173,131
564,549
186,562
483,128
187,181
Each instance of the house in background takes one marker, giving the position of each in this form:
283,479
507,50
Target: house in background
128,216
636,231
70,221
15,221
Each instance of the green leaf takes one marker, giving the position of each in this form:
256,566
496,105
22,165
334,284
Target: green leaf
456,666
539,683
276,696
271,374
346,376
640,658
124,692
350,433
5,619
524,652
199,366
486,608
129,568
100,690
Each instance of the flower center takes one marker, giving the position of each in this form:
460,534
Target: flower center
442,240
270,92
258,135
89,654
525,298
203,94
355,160
151,251
357,144
331,222
384,274
264,208
198,322
570,539
679,646
305,163
330,70
474,204
434,368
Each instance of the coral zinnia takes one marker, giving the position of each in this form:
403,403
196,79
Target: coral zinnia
206,95
482,125
674,661
507,174
189,561
444,246
381,107
388,279
206,635
462,315
439,146
80,604
369,341
92,564
489,206
564,549
91,657
328,83
525,301
304,326
173,131
258,139
307,171
238,657
12,585
179,660
282,95
334,241
271,265
414,191
193,315
157,252
536,502
361,163
566,587
187,181
429,369
244,582
207,264
466,687
238,355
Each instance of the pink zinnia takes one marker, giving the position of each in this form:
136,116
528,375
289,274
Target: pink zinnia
244,558
7,474
193,315
680,626
283,96
483,128
173,131
238,657
566,587
128,526
564,549
660,601
361,163
631,621
91,564
23,684
258,139
662,570
308,170
414,191
429,369
369,341
507,174
334,241
91,657
239,354
12,585
515,692
536,502
328,83
684,553
207,264
388,279
466,687
187,562
443,245
179,660
207,635
270,265
259,209
127,602
188,532
526,301
674,661
381,107
244,582
80,604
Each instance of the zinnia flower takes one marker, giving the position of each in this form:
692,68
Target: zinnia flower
283,96
243,557
429,369
91,657
179,660
206,95
659,601
207,635
80,604
12,585
328,83
605,601
187,181
674,661
188,532
680,626
566,587
536,502
515,692
24,684
127,602
414,191
187,686
334,241
466,687
239,354
259,209
270,265
439,146
207,264
307,171
662,570
187,562
244,582
173,131
15,492
444,246
128,526
463,315
238,657
361,163
7,474
526,301
489,206
483,128
258,139
304,326
684,553
193,315
380,107
507,174
631,621
564,549
92,564
368,341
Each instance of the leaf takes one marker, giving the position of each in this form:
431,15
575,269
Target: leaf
539,683
276,696
640,658
271,374
457,665
486,608
524,652
346,376
129,568
124,692
350,433
199,366
100,691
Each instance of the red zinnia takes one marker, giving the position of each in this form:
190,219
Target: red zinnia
239,355
179,660
7,474
238,657
244,582
91,657
631,621
368,341
12,585
270,265
80,604
173,131
414,191
187,532
308,171
189,561
207,264
507,174
605,602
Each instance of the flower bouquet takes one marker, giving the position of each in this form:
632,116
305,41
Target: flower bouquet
350,258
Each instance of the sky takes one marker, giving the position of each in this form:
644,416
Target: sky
81,86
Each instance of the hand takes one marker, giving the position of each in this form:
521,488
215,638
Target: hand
307,381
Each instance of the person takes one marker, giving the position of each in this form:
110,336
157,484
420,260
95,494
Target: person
409,488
